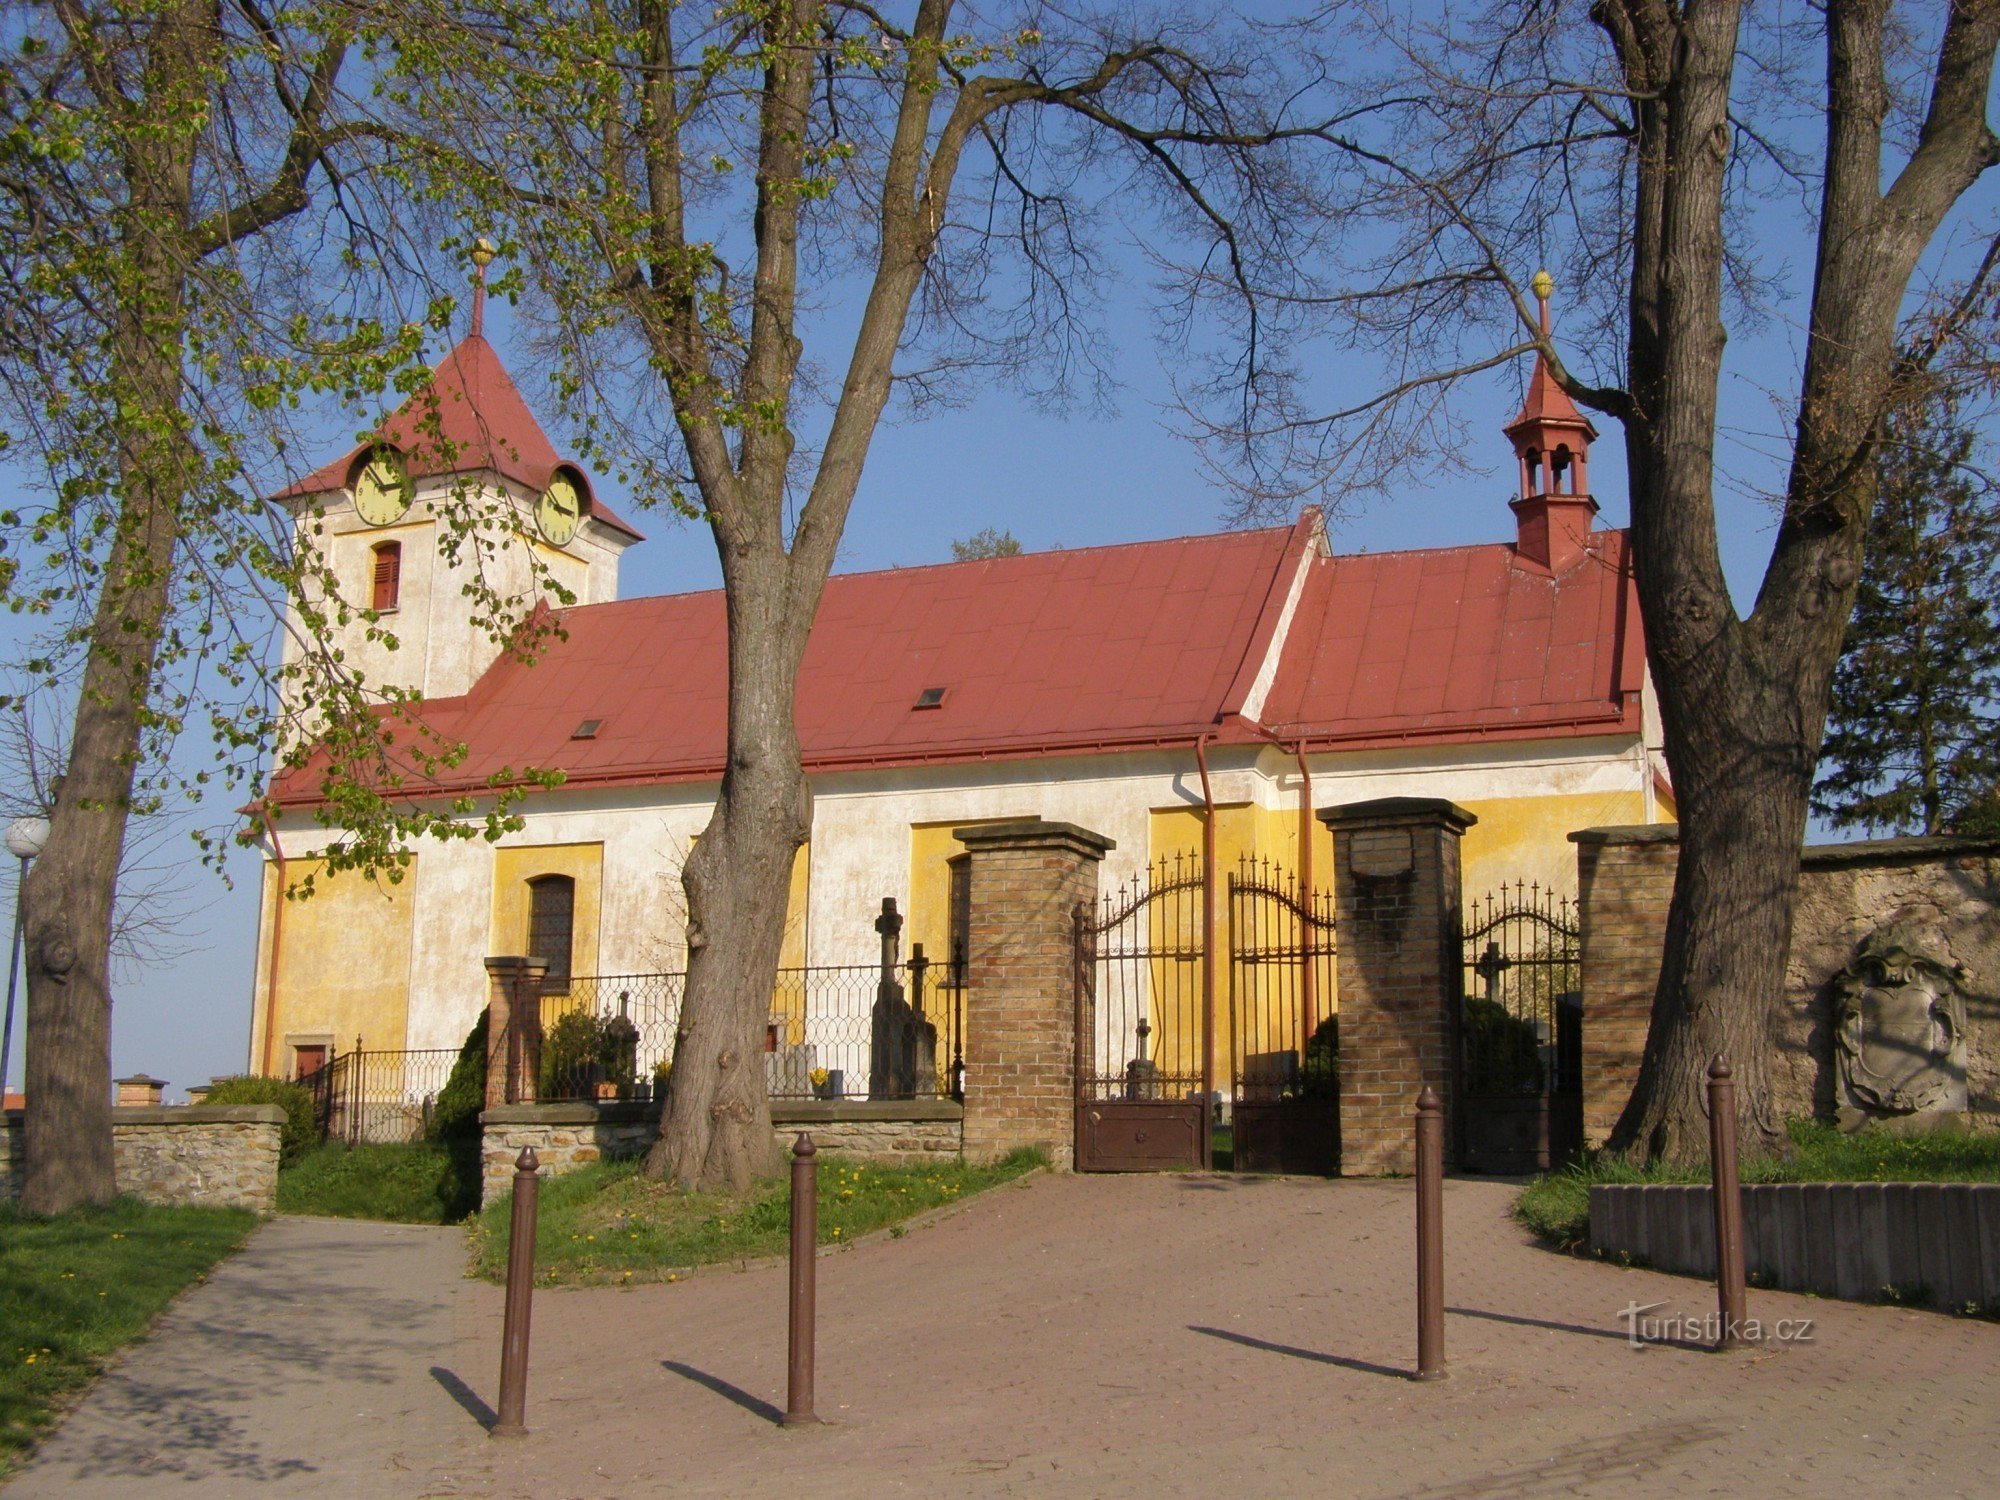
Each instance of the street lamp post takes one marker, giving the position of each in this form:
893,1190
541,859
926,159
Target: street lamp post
25,838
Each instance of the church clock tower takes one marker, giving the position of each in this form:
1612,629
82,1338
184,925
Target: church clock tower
406,522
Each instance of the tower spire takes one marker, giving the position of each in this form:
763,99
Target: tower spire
482,257
1551,441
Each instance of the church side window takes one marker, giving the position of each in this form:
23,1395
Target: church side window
388,574
551,922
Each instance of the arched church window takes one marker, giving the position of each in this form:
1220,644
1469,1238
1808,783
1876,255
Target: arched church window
551,924
388,574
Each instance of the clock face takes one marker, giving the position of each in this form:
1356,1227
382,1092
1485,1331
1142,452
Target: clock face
382,490
560,510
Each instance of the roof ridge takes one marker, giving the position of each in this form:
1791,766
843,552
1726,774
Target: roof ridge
972,562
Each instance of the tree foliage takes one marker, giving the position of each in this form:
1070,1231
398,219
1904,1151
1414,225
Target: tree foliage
1913,736
169,325
746,227
986,542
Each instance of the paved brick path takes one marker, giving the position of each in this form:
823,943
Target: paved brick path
1177,1335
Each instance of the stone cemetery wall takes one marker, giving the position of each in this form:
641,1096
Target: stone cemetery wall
568,1136
224,1156
1916,918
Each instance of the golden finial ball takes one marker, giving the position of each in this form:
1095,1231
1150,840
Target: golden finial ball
482,252
1543,284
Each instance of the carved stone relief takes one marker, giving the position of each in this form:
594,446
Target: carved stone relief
1899,1031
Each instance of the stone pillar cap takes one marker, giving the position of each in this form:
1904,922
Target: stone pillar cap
516,961
142,1080
1629,833
1399,810
1030,832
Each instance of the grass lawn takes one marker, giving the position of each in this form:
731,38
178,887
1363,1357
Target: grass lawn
1557,1207
607,1225
75,1290
409,1184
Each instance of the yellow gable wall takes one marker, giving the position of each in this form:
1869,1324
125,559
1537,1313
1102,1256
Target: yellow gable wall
345,968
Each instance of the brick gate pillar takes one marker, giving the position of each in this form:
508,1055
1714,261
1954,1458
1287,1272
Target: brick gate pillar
1396,915
1025,881
1624,883
513,1029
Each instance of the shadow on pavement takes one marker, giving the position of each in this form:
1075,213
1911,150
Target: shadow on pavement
465,1396
1312,1354
755,1405
1596,1333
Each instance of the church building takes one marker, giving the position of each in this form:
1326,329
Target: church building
1140,690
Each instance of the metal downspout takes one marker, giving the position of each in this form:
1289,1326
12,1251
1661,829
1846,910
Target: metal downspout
277,938
1207,958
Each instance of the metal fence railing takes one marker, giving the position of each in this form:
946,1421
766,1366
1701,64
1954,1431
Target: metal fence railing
833,1031
379,1096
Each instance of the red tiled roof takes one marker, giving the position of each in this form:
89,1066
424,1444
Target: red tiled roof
1460,643
1098,648
468,417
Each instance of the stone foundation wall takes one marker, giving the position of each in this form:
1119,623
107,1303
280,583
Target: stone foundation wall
225,1156
1949,888
568,1136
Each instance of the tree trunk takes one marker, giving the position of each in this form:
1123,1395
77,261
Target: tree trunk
715,1131
70,893
72,886
1744,702
1729,927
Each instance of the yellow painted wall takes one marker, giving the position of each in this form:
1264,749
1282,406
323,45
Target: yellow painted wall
514,867
928,921
1527,838
787,1001
345,968
1175,986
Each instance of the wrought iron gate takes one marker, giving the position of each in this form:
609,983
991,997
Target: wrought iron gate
1142,1024
1520,1034
1284,1039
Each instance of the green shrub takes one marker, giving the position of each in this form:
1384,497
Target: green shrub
1502,1050
583,1049
1321,1073
301,1131
455,1124
570,1051
463,1096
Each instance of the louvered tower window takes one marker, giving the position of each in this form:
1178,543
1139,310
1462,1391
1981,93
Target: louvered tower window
388,574
551,921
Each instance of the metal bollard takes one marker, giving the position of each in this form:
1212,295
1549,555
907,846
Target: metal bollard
1728,1198
805,1242
1430,1235
520,1295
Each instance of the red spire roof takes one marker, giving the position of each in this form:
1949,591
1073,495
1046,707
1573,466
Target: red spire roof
1547,402
467,417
